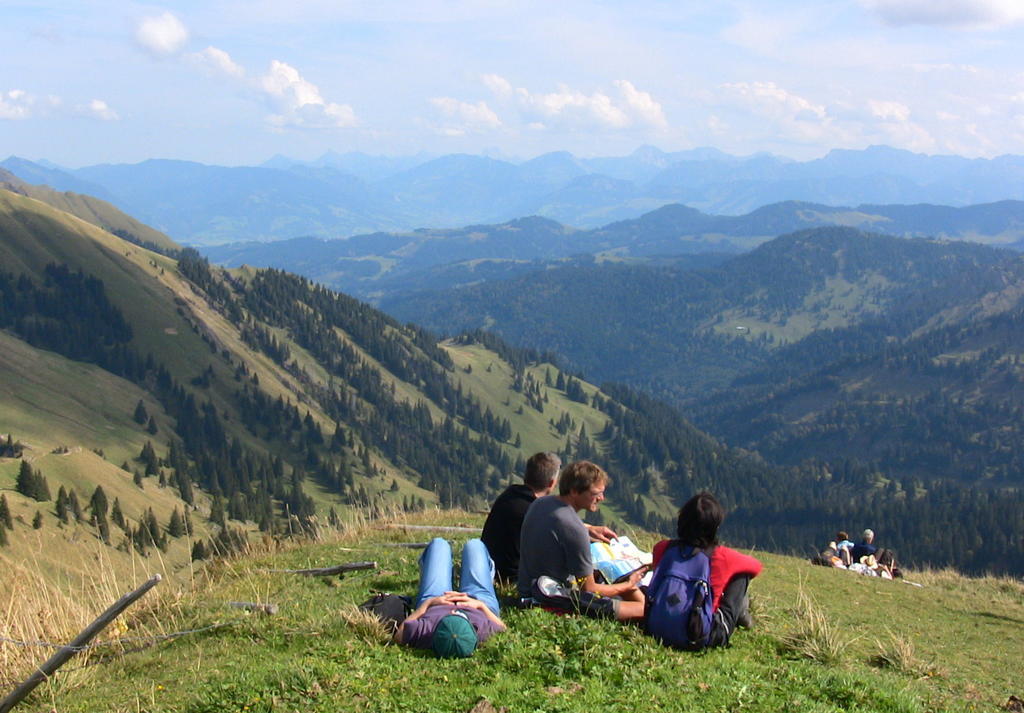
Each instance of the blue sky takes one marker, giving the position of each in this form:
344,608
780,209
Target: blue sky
232,82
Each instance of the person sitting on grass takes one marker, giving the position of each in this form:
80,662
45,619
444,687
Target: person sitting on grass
452,623
865,547
555,545
844,547
504,524
731,571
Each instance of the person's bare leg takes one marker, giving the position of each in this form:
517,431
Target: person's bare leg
630,611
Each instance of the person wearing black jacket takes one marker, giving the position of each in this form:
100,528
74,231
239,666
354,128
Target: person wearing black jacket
504,522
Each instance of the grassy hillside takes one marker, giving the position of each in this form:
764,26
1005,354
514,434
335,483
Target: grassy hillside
949,645
279,401
92,210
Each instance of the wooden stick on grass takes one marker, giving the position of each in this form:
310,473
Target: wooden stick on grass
325,571
48,668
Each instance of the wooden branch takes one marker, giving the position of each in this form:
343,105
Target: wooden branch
325,571
255,606
431,527
66,652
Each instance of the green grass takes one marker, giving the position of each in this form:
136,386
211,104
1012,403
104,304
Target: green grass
310,657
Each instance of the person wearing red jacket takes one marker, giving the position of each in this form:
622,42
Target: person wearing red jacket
731,571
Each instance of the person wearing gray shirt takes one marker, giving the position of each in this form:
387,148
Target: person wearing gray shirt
555,543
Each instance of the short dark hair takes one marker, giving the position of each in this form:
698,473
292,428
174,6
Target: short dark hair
541,469
840,536
579,476
699,520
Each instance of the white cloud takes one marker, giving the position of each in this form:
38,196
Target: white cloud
98,109
574,108
18,104
15,104
888,110
217,60
161,35
298,102
498,85
472,117
988,14
771,100
642,104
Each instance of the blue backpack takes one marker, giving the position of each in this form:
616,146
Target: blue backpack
678,611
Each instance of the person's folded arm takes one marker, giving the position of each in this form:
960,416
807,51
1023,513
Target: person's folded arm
613,590
467,602
418,612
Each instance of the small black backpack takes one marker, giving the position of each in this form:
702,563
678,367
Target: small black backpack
392,609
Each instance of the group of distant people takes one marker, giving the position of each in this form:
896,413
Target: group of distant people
863,557
534,537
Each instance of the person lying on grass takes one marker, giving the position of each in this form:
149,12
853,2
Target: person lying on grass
453,623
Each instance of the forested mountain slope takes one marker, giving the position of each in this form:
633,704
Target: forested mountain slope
275,402
271,401
888,367
681,331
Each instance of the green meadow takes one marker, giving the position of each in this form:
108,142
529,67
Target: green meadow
823,640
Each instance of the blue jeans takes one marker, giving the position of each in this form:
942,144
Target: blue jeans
476,578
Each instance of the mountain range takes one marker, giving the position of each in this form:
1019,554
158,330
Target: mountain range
344,195
378,265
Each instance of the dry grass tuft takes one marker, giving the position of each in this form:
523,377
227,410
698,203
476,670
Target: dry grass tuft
996,587
898,654
814,636
365,625
38,612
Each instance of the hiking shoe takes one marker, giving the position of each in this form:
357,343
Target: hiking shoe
551,587
744,619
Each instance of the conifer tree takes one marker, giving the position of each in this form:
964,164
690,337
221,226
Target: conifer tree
189,529
62,505
140,415
73,506
137,479
42,488
176,525
116,515
217,512
153,525
148,457
98,504
104,529
26,481
3,536
37,521
151,428
5,514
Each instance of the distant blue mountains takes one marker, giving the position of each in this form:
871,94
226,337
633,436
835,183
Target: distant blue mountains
340,195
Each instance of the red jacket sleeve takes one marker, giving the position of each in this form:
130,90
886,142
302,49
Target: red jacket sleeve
658,552
726,563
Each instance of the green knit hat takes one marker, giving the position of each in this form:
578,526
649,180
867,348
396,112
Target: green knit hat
454,637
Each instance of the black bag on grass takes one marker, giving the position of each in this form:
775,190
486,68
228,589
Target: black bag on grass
392,609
